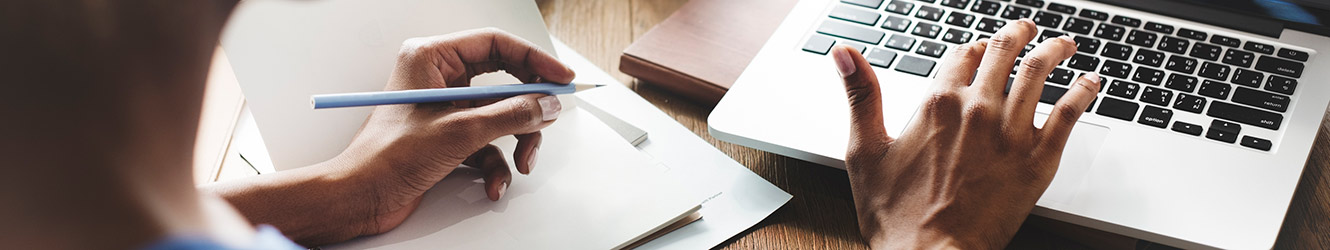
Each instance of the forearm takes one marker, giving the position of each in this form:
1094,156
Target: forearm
313,205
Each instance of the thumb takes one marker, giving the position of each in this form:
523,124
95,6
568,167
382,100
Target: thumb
521,114
864,94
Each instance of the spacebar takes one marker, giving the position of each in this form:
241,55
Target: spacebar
1245,115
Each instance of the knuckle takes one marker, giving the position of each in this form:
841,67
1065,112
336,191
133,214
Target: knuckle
944,102
526,112
977,114
1006,42
1037,63
1067,113
860,91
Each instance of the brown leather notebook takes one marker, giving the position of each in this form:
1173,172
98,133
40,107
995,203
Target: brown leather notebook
701,49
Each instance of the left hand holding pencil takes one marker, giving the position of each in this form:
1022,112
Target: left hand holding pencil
403,150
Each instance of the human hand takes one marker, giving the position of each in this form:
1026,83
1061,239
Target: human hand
970,167
403,150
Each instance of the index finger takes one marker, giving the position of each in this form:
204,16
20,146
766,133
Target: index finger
474,52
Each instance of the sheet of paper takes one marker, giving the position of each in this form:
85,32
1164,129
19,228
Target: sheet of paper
590,190
738,198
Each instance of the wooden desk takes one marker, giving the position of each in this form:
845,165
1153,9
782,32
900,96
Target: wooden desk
821,215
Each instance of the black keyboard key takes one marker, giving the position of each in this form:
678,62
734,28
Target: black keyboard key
1115,69
1259,48
1155,116
1293,54
1087,45
1223,131
1077,25
1191,34
1248,78
900,42
932,49
915,65
1173,44
819,44
1159,27
865,3
1014,12
1181,64
1205,51
1279,66
1214,71
1181,83
1124,89
1094,14
1256,143
1148,57
1213,89
881,57
1047,19
1142,38
1112,107
1083,62
1127,21
990,25
927,30
986,7
1048,33
1110,32
1051,94
959,4
1116,51
1062,8
1026,50
1061,76
855,14
1148,76
1281,85
1224,40
899,7
1156,96
1187,128
960,19
1245,115
851,31
929,13
956,36
1189,103
1261,99
1238,58
1032,3
927,1
896,23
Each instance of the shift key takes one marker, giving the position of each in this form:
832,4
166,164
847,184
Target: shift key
851,31
1245,115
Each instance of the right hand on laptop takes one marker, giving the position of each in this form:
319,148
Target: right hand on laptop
970,167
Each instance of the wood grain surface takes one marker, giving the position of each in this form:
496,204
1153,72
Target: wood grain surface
821,215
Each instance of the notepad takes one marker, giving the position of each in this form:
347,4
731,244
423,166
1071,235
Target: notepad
589,190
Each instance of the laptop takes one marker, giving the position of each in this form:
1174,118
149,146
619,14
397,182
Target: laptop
1208,110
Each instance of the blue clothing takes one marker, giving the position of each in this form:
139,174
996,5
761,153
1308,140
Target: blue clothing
268,238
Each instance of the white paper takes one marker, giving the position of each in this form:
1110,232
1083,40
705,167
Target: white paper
590,190
738,198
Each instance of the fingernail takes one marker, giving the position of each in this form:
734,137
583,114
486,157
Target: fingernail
1067,38
531,161
1026,20
549,107
503,189
844,63
1093,77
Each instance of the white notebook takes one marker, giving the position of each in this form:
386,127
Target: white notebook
590,190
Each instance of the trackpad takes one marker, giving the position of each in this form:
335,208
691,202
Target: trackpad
1077,158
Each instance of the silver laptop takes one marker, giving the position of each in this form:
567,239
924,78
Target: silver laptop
1197,140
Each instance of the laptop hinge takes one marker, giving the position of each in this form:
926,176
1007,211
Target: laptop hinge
1216,17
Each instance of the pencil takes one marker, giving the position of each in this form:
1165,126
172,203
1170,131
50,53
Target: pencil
442,94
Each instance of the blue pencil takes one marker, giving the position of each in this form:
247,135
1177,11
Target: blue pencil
442,94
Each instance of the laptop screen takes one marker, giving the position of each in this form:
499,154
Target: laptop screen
1264,17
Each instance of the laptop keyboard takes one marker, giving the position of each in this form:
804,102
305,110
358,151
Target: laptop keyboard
1150,70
